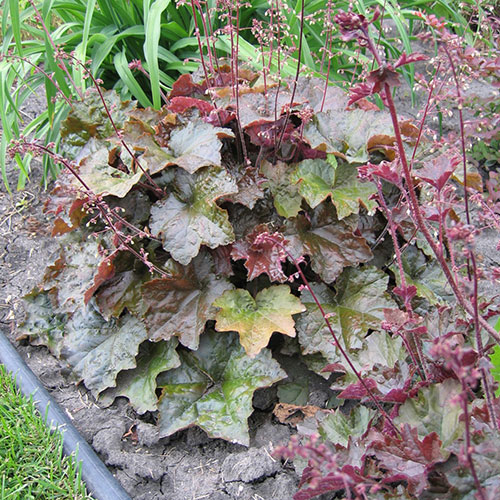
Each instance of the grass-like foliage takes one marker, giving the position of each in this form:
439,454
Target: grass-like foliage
256,214
32,464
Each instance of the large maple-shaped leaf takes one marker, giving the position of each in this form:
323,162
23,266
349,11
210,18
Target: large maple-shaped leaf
139,384
435,409
426,275
213,388
262,254
77,273
316,179
408,455
41,323
97,350
180,306
256,319
349,192
287,199
191,218
347,133
357,307
319,179
88,119
197,144
102,178
330,243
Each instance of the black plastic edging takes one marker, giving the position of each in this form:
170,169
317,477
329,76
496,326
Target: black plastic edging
99,481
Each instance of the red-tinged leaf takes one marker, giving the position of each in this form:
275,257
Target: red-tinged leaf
66,202
408,455
358,390
409,59
385,75
105,271
180,306
360,92
389,171
438,170
222,261
120,292
191,217
180,104
249,182
392,384
184,86
257,319
262,254
330,243
88,120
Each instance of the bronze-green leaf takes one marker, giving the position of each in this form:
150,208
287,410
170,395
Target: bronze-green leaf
180,306
330,243
139,384
191,217
97,350
213,388
256,319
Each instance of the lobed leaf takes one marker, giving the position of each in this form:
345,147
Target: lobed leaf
330,243
180,306
287,199
97,350
347,133
88,119
191,218
356,308
213,388
262,255
104,179
435,409
139,384
79,270
256,319
319,179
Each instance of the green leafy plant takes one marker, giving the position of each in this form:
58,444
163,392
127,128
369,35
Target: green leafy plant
246,218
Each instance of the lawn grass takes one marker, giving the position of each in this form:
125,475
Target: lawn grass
32,465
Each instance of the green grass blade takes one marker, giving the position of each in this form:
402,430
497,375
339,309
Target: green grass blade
121,66
153,28
16,24
81,50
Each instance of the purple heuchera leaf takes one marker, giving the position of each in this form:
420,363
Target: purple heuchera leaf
262,255
438,170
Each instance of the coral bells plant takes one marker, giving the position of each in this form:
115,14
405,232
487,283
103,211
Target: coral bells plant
254,218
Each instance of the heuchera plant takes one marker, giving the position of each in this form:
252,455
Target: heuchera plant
247,217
